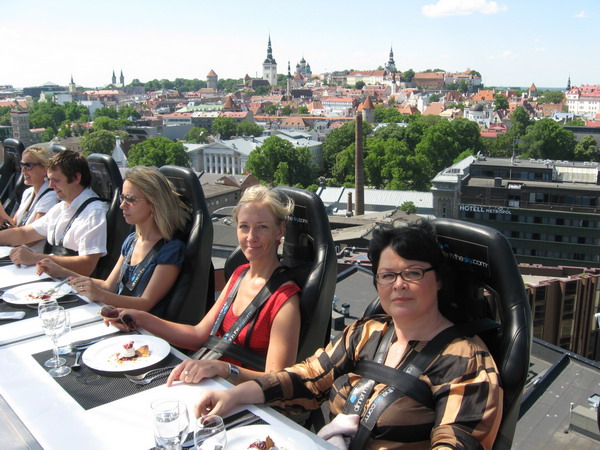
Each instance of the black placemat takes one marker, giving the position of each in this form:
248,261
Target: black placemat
91,388
67,301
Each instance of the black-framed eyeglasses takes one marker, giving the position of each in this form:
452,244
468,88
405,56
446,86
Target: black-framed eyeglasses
130,199
412,274
28,166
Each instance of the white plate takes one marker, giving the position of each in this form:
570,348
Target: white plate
101,355
286,439
20,295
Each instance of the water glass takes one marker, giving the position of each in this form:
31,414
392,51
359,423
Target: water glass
210,433
171,423
54,321
64,341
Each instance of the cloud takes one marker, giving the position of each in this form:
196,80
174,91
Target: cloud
462,8
506,54
581,15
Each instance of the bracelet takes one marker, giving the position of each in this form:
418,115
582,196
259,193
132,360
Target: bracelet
233,373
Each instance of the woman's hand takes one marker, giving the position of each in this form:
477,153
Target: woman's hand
23,256
85,286
50,267
193,371
216,402
123,319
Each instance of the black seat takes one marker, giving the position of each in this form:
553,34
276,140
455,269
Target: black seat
482,259
11,180
307,244
194,288
107,183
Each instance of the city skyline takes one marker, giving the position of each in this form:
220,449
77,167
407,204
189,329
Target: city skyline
510,43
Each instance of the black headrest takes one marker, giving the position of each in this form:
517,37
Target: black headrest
305,231
13,150
106,177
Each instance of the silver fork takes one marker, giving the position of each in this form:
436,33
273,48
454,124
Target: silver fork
151,375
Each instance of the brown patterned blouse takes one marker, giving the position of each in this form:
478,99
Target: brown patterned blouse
463,379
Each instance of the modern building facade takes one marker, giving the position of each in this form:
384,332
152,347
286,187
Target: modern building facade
549,210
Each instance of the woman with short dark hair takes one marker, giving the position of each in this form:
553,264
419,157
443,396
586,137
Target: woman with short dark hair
370,373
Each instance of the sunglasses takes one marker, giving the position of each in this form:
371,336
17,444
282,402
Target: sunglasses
28,166
130,199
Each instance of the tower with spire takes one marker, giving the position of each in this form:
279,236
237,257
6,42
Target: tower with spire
114,78
390,66
270,66
289,83
72,87
569,84
122,79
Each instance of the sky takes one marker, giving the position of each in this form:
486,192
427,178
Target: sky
512,43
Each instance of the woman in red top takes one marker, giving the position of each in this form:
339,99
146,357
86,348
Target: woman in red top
260,218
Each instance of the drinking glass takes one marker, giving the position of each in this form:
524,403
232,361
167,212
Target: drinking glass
53,323
210,433
43,304
64,341
171,423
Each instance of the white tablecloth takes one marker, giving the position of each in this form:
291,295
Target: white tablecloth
57,421
12,275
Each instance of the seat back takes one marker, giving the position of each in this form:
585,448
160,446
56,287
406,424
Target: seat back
107,183
194,289
307,244
487,276
11,180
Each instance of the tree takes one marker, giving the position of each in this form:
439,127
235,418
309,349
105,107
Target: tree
158,152
262,90
197,135
224,126
408,75
102,141
270,110
359,85
500,102
76,113
5,115
125,112
388,115
247,128
47,115
546,139
286,110
338,140
277,161
64,131
434,98
106,123
463,87
302,109
519,121
576,123
106,111
587,150
552,97
48,134
408,207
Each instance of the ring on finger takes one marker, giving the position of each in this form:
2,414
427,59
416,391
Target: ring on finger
186,372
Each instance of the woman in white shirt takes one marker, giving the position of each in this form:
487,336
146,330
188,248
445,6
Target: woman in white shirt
37,199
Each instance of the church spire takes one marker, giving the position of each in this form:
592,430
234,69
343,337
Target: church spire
569,83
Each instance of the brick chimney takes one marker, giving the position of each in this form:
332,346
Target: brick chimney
359,169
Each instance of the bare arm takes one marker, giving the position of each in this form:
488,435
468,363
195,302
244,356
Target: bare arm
221,402
283,349
160,283
19,235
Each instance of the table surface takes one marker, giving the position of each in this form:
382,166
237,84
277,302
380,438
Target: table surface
56,421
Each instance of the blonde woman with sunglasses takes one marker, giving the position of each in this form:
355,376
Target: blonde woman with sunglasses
38,198
151,257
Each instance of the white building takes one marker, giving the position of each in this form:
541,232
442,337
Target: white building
338,106
584,100
230,157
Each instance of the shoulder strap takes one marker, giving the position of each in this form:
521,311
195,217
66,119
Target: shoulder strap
28,210
236,351
405,380
77,213
141,268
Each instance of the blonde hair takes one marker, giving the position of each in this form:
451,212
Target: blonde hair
280,204
169,211
41,154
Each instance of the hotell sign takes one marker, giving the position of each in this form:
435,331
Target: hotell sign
484,209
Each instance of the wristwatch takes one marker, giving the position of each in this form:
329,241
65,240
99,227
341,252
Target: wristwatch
234,372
